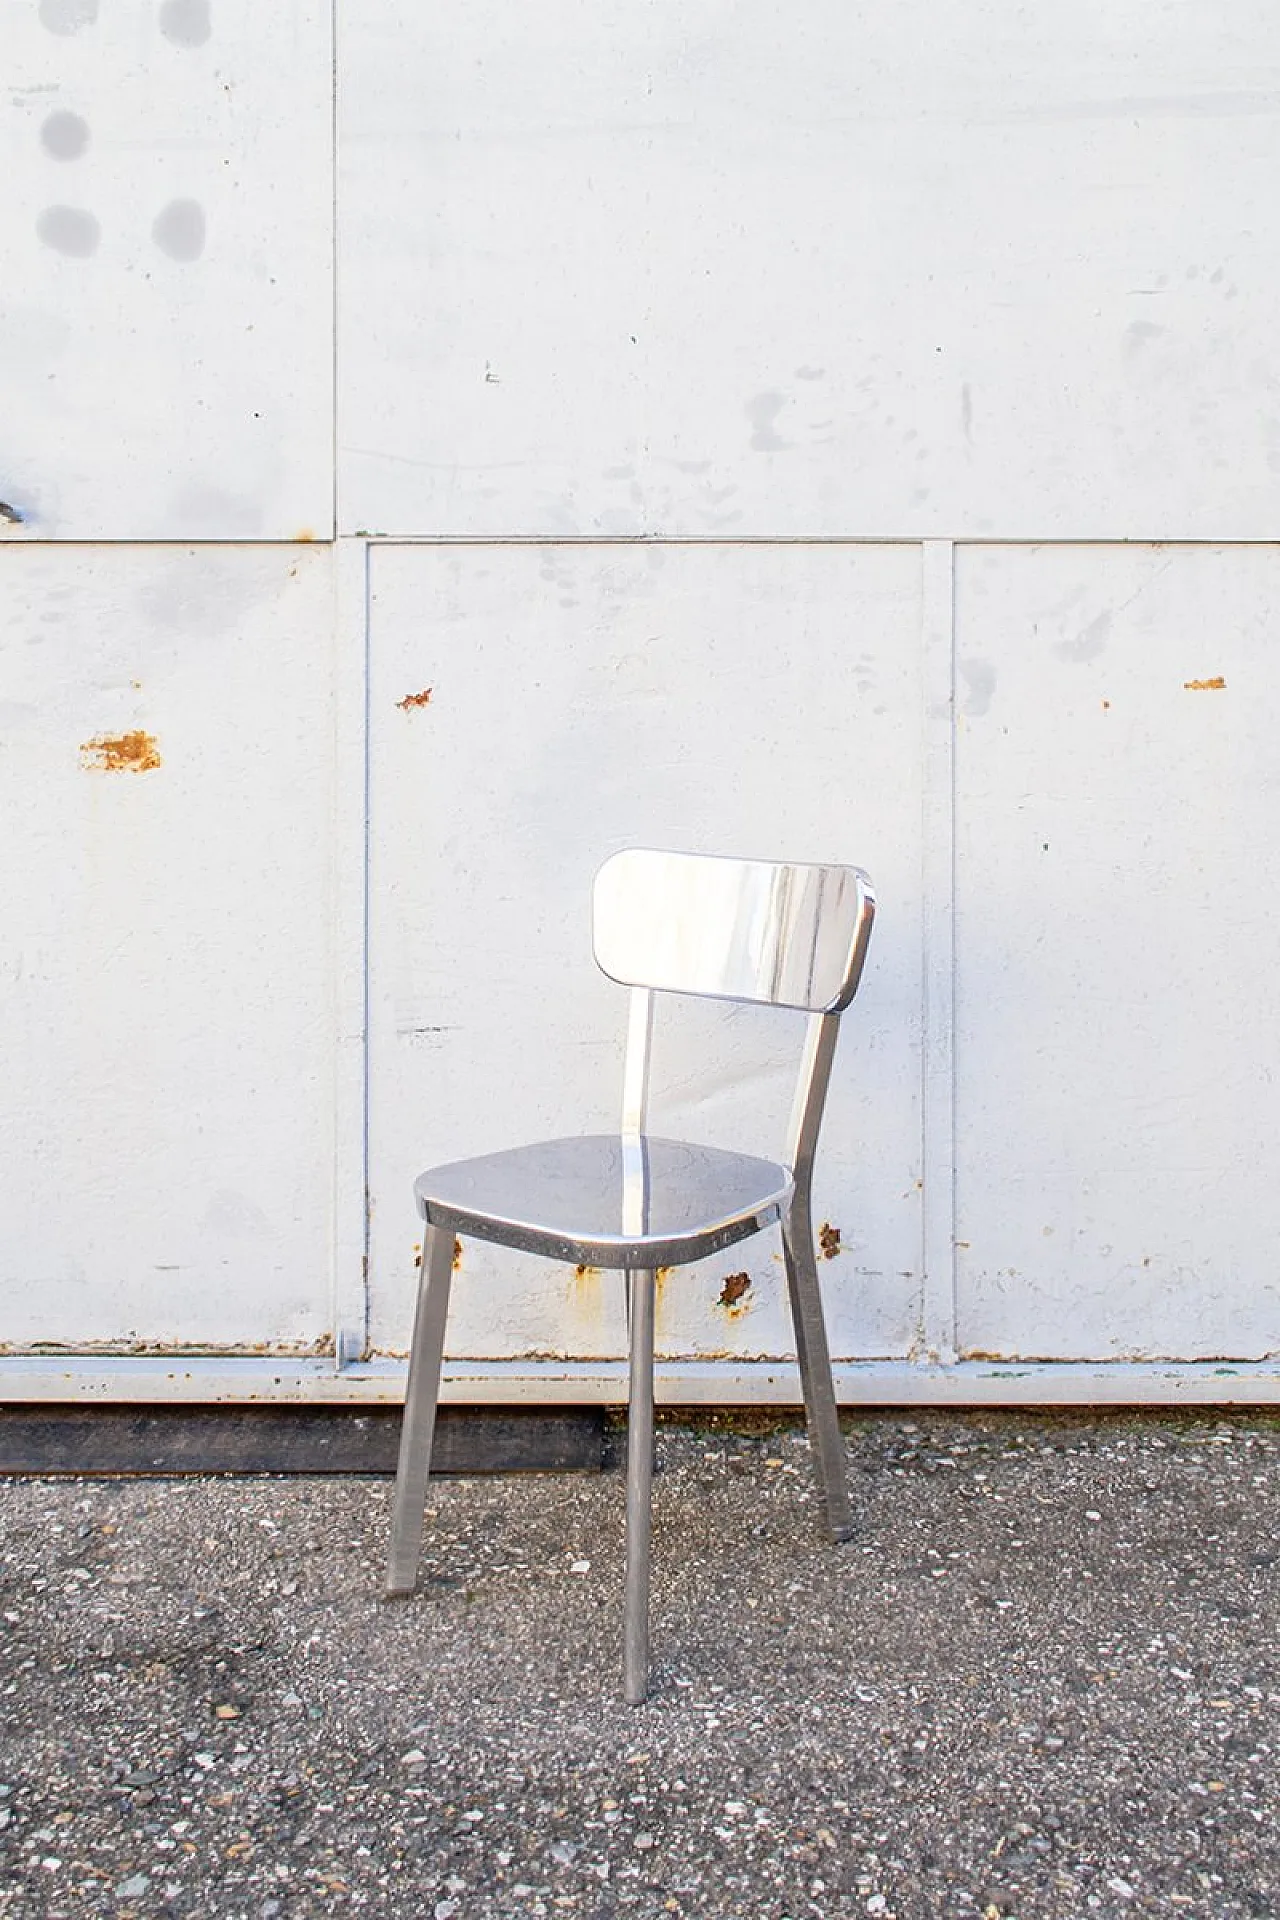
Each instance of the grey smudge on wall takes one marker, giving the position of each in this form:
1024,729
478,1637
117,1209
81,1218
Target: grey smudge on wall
67,16
1088,644
10,515
235,1216
185,22
980,678
69,230
178,230
208,512
763,412
1140,334
65,136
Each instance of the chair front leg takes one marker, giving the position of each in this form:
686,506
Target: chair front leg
421,1396
825,1437
635,1661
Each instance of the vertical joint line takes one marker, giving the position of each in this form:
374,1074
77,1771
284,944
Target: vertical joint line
333,265
366,850
350,923
938,858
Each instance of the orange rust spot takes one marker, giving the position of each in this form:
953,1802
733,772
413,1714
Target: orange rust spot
736,1285
457,1254
1106,706
121,752
411,700
1205,686
303,536
828,1240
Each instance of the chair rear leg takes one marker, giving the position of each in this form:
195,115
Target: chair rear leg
421,1396
635,1662
825,1437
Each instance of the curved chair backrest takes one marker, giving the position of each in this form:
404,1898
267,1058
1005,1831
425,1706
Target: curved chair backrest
756,930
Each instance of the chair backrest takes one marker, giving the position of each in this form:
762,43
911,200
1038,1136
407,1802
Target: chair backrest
753,930
758,930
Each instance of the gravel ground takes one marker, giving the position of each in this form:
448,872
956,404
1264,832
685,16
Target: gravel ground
1042,1680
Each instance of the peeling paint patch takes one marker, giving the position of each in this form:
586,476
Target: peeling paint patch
120,752
131,1346
412,700
735,1288
1205,686
828,1240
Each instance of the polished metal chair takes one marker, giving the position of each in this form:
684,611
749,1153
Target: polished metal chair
745,930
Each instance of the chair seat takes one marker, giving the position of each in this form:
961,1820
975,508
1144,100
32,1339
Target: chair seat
565,1199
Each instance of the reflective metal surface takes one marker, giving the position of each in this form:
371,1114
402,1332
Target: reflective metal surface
574,1200
786,936
783,935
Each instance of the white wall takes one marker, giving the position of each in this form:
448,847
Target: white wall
829,432
166,345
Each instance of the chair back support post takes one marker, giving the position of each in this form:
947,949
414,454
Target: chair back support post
635,1111
816,1061
635,1071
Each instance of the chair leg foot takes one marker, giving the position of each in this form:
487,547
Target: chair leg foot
825,1437
421,1396
640,1288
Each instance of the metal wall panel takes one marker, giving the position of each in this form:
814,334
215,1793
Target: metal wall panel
531,710
166,342
166,1006
755,279
1118,1015
730,268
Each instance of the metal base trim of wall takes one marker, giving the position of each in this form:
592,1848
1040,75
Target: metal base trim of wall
213,1380
122,1440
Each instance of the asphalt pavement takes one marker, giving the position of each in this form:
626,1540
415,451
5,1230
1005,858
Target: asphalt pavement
1042,1680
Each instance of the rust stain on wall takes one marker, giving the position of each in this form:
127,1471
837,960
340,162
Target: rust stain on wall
828,1240
135,752
412,700
417,1255
1205,686
735,1289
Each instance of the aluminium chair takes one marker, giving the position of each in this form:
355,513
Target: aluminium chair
777,935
